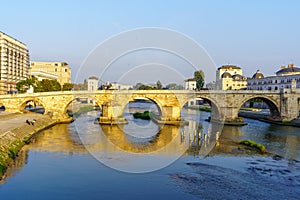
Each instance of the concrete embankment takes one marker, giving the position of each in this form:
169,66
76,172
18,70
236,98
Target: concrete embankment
265,118
15,131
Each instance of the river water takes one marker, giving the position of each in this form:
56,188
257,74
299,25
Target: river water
142,160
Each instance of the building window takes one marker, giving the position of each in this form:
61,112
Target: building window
66,70
55,69
56,64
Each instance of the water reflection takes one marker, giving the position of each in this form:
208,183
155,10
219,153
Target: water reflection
120,150
198,138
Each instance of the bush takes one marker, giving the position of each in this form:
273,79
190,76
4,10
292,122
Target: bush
251,143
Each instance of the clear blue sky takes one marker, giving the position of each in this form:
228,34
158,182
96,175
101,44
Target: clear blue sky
252,34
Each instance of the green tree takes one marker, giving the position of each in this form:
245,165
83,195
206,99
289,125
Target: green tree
158,85
50,85
174,86
24,85
199,76
68,86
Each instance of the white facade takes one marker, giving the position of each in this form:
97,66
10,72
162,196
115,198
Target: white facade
283,79
14,63
190,84
118,86
92,84
273,82
40,75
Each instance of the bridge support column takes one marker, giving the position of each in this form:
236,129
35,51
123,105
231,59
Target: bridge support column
229,116
170,116
112,114
59,115
289,106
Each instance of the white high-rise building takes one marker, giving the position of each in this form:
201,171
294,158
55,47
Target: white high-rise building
14,63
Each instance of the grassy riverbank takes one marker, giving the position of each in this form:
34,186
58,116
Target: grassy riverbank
201,108
8,153
16,135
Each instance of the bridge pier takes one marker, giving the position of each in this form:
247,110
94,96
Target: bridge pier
289,105
112,114
59,115
170,115
229,116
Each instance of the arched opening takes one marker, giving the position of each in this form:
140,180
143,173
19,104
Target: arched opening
33,105
83,105
208,109
139,113
2,107
259,108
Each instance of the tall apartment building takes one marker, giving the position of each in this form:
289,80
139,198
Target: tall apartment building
51,70
14,63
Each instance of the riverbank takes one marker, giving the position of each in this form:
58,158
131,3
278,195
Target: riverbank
264,117
252,113
16,131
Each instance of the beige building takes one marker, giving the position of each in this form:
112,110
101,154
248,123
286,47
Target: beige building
51,70
14,63
230,77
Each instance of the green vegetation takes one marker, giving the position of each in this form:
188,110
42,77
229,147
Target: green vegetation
174,86
68,86
251,143
82,109
252,101
202,108
205,109
145,115
199,76
45,85
9,153
158,85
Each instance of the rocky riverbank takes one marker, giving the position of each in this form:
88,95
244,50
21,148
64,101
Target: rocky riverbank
17,130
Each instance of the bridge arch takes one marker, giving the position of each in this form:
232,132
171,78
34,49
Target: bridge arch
272,104
35,101
76,98
215,108
153,99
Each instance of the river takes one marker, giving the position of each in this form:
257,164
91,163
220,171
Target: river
83,160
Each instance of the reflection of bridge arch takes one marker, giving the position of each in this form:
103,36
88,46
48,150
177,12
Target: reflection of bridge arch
272,104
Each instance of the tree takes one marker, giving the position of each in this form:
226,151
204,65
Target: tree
174,86
199,76
24,85
158,85
68,86
50,85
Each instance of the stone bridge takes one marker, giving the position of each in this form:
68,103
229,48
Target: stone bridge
284,105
